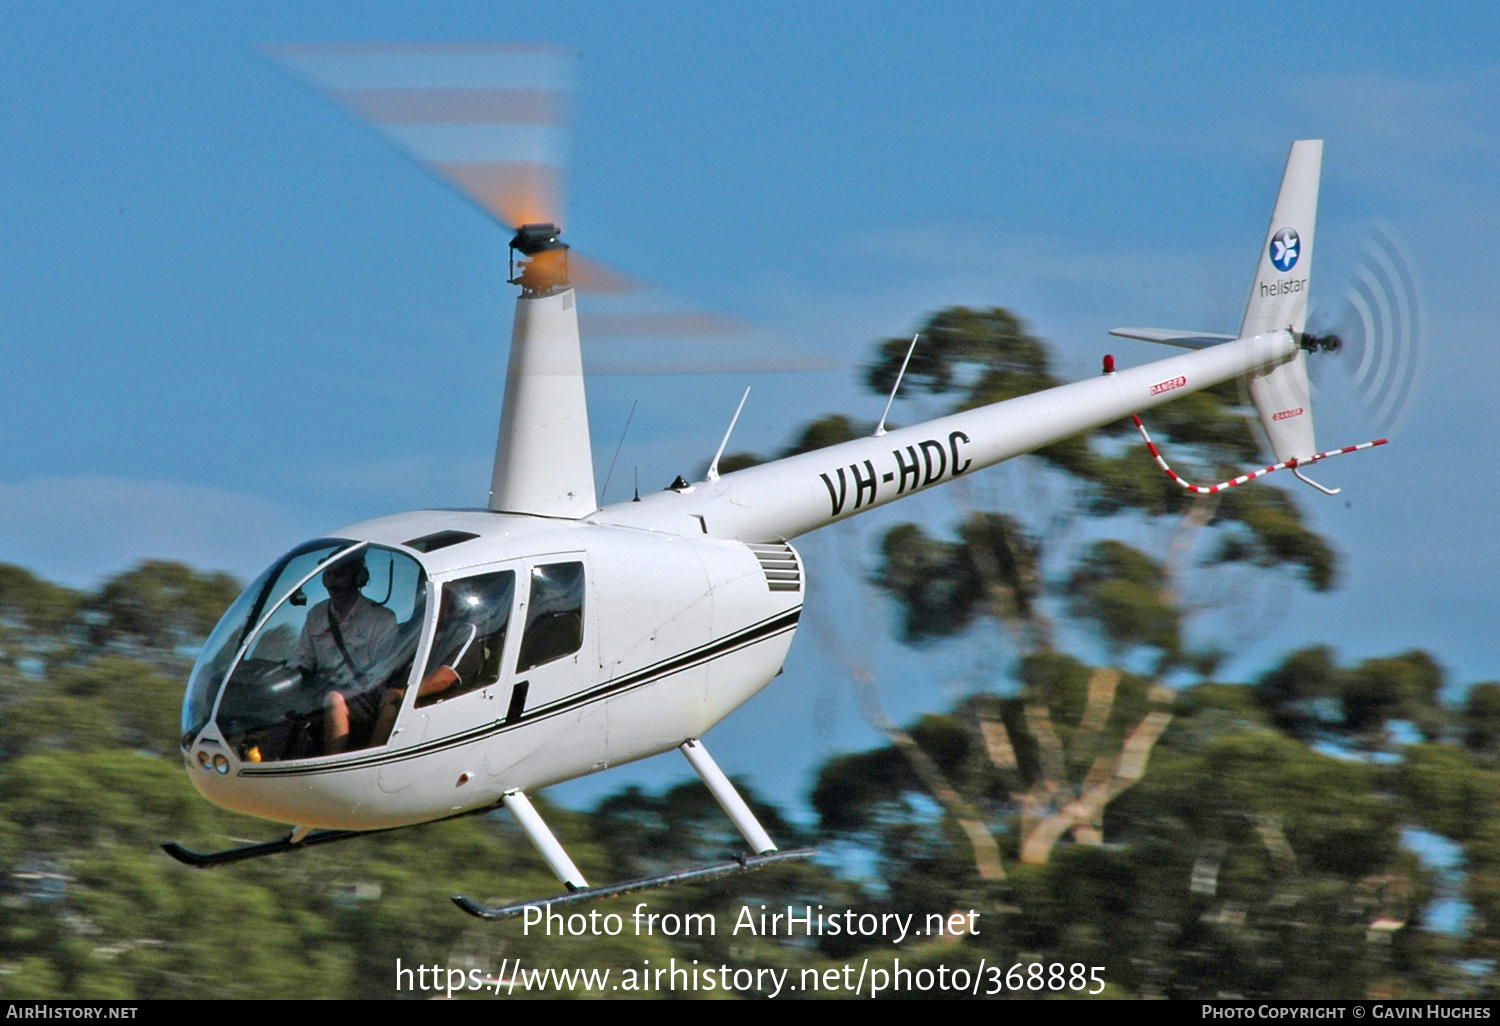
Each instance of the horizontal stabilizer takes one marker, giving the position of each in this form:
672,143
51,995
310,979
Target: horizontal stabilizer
1171,337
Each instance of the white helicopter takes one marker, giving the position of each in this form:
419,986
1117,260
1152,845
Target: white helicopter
441,663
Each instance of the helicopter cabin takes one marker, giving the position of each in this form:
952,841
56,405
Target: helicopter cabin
510,651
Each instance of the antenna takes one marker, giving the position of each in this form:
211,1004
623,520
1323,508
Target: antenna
713,468
605,490
880,428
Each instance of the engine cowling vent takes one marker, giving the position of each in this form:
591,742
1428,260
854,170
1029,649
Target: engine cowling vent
779,562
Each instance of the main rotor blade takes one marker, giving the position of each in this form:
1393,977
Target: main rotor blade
596,276
490,119
661,324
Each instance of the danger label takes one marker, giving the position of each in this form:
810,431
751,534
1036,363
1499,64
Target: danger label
1168,385
1285,414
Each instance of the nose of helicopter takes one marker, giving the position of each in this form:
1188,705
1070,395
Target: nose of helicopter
315,800
211,766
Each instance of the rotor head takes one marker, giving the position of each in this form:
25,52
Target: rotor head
546,268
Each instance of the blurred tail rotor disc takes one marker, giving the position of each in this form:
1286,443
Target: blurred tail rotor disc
1383,327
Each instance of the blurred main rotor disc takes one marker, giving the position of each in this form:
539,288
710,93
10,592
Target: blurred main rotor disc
492,121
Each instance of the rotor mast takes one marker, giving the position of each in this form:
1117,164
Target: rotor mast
544,463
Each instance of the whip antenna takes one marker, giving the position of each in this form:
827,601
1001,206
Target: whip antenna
880,428
713,468
605,490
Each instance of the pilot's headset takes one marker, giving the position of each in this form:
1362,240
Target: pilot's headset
361,576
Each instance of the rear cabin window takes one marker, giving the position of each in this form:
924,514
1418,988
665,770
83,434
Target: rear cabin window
470,640
554,615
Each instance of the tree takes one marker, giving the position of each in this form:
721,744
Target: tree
996,568
91,781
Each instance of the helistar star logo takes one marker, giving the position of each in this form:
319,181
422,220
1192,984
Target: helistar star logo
1285,248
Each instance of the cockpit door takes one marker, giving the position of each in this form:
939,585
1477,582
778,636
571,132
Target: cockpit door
465,680
511,646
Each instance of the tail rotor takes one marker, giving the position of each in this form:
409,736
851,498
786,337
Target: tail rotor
1380,329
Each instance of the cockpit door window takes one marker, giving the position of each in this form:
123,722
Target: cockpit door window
473,622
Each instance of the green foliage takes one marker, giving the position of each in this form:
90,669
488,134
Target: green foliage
1310,696
1481,719
860,791
35,617
1122,592
110,701
647,835
1245,861
1299,694
33,603
1447,792
51,721
159,605
732,461
91,782
1271,533
1482,887
993,568
854,791
984,355
826,431
145,704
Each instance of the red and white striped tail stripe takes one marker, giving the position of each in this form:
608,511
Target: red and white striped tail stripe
1262,472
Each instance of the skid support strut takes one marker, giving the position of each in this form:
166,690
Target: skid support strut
537,832
728,798
718,785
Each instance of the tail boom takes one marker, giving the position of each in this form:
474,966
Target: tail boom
780,500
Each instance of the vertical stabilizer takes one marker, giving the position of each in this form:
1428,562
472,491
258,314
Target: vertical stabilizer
544,463
1278,302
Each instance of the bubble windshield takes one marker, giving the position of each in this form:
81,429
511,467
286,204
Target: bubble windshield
224,643
326,668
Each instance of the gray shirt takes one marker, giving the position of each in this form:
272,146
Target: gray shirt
369,633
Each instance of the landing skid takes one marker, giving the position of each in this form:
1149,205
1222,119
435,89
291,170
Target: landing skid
546,844
741,865
292,842
209,859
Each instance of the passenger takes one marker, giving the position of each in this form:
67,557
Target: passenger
343,644
457,657
457,651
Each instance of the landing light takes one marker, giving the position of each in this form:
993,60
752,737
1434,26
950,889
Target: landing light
203,758
221,764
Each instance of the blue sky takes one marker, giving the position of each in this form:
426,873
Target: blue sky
232,318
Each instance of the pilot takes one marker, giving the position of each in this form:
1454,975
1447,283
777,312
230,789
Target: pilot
344,643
